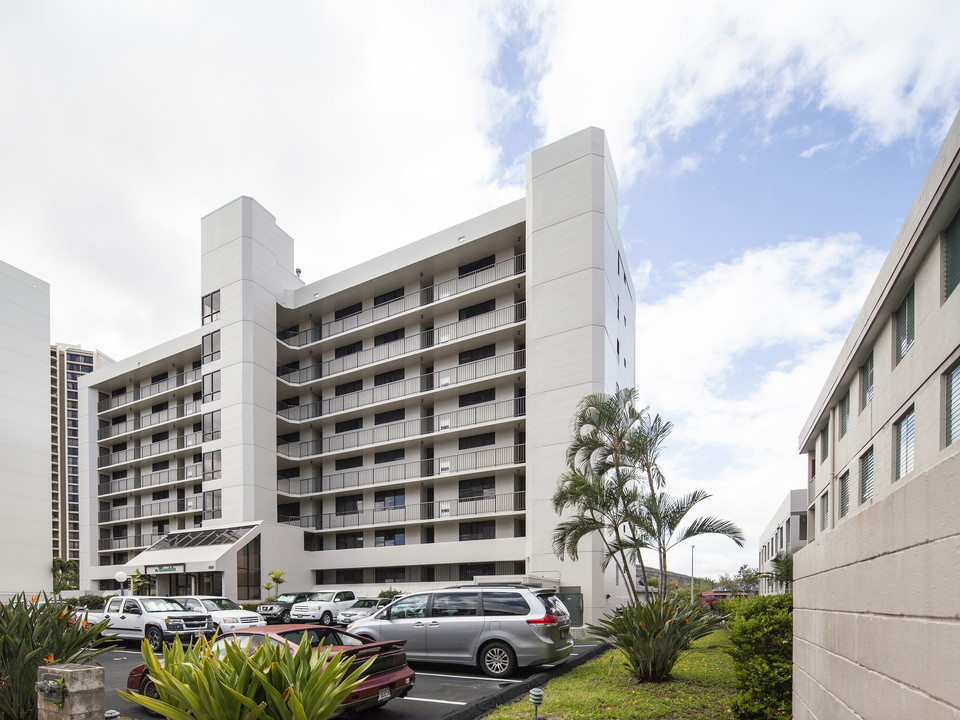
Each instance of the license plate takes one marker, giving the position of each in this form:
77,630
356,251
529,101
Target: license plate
384,694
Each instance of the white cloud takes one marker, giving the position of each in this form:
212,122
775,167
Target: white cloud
811,151
787,309
687,163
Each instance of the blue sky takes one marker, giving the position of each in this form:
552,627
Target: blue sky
767,154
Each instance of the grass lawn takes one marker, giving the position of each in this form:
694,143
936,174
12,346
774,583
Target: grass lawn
702,689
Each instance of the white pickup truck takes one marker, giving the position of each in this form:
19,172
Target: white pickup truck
157,619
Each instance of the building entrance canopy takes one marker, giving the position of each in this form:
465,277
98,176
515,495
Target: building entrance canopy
190,551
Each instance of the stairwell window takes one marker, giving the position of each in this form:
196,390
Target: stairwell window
824,443
845,414
866,476
866,383
906,327
952,429
845,494
210,347
210,307
824,511
904,444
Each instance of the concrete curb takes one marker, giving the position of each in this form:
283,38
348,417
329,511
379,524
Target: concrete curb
515,690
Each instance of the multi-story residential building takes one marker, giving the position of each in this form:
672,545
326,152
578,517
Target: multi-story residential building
785,533
25,563
67,364
875,591
401,423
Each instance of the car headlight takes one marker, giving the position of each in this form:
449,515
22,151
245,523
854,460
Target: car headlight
231,620
174,624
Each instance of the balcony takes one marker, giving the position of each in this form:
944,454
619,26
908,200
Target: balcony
411,301
169,415
449,377
153,509
437,510
185,378
491,458
127,543
146,451
161,477
466,417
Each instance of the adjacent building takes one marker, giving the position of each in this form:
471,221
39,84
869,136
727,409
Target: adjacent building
785,533
67,364
25,563
399,424
875,591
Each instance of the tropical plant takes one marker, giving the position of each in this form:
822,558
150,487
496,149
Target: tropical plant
651,634
388,593
272,682
34,633
782,569
761,630
279,577
66,575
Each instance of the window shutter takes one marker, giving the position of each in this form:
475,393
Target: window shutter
844,494
952,256
824,511
866,475
905,444
866,383
905,326
953,403
845,414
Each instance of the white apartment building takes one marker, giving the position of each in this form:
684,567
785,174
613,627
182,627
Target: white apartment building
785,533
398,424
67,364
876,597
25,562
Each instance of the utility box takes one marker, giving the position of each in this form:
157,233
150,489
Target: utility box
70,692
574,604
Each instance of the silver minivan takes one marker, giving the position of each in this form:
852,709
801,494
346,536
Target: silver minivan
496,627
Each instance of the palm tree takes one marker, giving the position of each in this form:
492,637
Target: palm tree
782,573
658,517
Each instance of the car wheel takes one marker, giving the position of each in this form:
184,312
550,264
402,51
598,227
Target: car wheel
155,638
497,660
285,618
326,618
149,689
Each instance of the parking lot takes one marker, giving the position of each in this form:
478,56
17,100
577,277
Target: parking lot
441,691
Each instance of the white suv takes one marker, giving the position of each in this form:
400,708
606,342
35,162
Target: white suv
323,606
226,614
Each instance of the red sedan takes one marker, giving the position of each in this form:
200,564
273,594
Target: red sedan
387,678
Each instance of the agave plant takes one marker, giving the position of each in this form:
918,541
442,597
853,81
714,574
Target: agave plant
196,683
652,634
33,633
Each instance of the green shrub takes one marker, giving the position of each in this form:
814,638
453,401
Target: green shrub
91,602
651,634
250,607
32,635
194,683
389,593
761,630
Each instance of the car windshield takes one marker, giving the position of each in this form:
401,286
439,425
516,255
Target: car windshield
321,597
162,605
214,604
321,636
286,598
365,603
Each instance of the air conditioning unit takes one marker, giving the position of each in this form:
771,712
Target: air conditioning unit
444,381
444,423
444,466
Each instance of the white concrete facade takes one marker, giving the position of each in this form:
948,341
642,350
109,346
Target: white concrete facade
786,532
420,401
875,591
25,560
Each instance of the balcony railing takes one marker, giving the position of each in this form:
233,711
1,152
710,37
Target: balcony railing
145,451
467,372
161,477
411,301
429,511
168,415
126,543
466,417
163,507
184,378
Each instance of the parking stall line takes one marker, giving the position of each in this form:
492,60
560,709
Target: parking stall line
468,677
442,702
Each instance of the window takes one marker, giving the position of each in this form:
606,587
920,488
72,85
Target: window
160,436
211,386
386,297
349,349
349,504
389,416
312,542
824,511
480,396
248,570
347,425
905,326
349,576
475,441
824,443
866,476
455,604
478,309
388,377
866,383
469,571
211,465
468,356
845,414
386,456
953,404
389,499
389,538
210,347
347,311
211,425
210,305
477,488
349,463
844,494
161,495
391,575
904,437
951,257
504,603
349,541
388,337
159,378
483,530
212,508
476,265
347,388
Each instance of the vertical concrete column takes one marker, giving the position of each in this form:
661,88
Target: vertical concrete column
73,692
